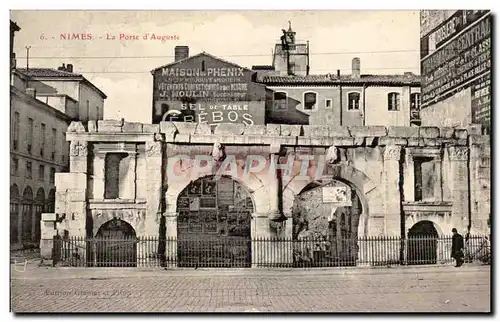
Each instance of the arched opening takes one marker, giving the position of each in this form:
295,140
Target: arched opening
213,226
326,217
116,245
51,201
27,219
39,208
14,214
422,243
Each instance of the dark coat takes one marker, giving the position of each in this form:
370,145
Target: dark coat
457,246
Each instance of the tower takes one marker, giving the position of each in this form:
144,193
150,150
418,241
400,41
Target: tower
291,58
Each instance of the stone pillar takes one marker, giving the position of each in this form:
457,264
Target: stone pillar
153,191
391,175
99,169
409,177
274,212
259,232
78,154
132,175
171,243
458,156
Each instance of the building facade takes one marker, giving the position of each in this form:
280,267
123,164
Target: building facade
43,102
51,84
137,180
38,149
456,68
356,99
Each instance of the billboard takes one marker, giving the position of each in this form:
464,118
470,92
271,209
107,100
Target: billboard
206,89
212,113
460,59
481,100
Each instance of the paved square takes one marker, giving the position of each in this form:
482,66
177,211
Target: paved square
426,289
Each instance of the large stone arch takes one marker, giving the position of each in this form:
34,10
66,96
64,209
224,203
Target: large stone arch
345,173
107,216
257,189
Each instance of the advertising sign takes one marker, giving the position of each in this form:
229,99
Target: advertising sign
212,113
430,19
448,29
459,61
481,100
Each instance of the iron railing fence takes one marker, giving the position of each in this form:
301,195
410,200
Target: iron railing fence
263,252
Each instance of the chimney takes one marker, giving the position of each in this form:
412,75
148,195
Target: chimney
181,52
31,92
69,68
63,67
356,68
338,73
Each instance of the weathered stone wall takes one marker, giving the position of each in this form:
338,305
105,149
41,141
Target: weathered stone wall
376,161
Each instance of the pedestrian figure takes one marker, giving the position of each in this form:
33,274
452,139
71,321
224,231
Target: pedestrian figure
457,247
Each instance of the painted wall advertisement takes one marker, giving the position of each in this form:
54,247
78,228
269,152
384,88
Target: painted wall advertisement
481,100
459,61
207,90
448,28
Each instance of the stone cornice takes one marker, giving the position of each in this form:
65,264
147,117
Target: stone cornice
275,134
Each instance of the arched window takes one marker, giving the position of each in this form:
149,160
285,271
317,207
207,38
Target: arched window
39,208
280,101
393,101
353,101
14,214
27,213
415,101
310,99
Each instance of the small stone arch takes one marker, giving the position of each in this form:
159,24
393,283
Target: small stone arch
116,244
28,194
422,243
108,216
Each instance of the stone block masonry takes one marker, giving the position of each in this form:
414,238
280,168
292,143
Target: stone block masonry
384,167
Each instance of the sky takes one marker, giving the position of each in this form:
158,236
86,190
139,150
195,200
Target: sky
387,42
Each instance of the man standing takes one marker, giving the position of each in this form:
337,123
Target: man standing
457,247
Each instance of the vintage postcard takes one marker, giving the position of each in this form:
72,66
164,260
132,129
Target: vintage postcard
250,161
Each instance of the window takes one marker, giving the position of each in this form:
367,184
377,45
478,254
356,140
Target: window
97,113
353,101
113,162
393,101
30,135
280,101
15,166
41,172
52,175
42,139
54,145
426,178
328,103
29,168
415,101
15,127
310,101
202,65
87,110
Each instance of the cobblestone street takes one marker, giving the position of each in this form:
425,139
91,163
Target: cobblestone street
425,289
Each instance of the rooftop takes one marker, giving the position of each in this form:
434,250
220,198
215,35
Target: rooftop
404,79
47,72
56,73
